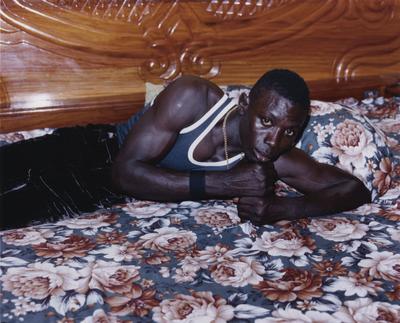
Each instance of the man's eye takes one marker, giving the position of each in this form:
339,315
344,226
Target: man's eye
289,132
266,122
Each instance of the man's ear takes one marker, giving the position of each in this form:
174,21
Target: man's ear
243,103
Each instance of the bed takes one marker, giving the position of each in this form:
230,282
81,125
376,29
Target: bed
70,63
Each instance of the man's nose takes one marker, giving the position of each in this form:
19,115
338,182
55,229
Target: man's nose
273,137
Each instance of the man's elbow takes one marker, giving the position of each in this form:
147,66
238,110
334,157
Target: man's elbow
360,192
119,178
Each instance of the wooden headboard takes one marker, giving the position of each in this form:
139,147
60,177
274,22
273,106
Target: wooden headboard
68,62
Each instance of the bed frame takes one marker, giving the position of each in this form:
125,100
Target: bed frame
70,62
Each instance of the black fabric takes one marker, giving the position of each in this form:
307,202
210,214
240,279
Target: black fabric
58,175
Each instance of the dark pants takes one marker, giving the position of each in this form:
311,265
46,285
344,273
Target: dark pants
58,175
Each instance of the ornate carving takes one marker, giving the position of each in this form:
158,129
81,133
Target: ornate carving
374,13
84,54
177,50
233,9
127,11
384,54
176,37
373,53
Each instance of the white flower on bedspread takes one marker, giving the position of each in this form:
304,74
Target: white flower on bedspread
288,243
320,108
213,254
199,307
351,144
288,315
338,229
108,276
40,280
99,316
217,217
26,305
184,276
147,209
26,236
168,239
385,265
122,252
91,221
394,233
192,264
364,310
366,209
355,284
237,273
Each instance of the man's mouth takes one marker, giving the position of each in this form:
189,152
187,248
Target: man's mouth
260,156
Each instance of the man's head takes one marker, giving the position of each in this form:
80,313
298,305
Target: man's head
275,115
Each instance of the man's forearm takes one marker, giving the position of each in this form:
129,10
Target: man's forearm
337,198
144,181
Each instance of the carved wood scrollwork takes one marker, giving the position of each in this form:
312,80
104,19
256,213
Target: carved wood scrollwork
175,37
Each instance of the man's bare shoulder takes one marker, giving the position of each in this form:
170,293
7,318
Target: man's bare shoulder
186,99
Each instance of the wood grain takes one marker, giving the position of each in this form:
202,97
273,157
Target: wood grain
67,62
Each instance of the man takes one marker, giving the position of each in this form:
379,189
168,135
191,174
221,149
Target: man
195,143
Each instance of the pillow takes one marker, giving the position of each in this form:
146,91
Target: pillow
340,136
12,137
343,137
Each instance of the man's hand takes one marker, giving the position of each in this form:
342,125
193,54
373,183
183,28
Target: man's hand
265,210
246,179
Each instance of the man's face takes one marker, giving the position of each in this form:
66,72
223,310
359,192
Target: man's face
274,125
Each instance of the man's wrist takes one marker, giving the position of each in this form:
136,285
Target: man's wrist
213,184
286,207
197,183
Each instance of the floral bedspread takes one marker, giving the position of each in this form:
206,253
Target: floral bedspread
196,262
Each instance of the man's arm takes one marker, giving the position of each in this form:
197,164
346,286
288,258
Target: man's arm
326,190
135,171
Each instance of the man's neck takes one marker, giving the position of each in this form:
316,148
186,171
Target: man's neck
233,132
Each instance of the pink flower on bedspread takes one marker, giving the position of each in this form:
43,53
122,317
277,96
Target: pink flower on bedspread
395,294
147,209
168,239
338,229
40,280
352,143
292,285
391,213
237,273
364,310
288,243
329,268
73,246
138,302
109,276
383,177
198,307
26,236
217,217
385,265
292,315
